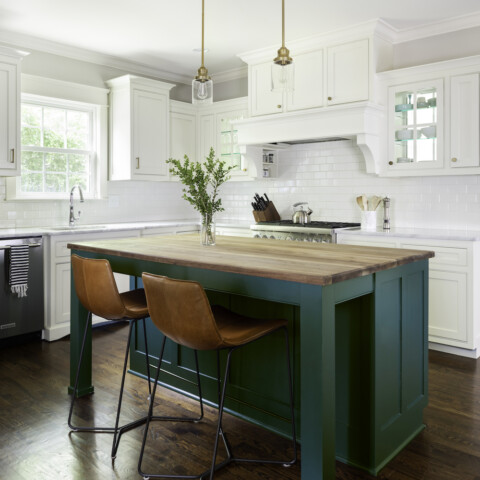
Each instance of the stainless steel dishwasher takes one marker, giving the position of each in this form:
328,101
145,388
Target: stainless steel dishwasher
21,315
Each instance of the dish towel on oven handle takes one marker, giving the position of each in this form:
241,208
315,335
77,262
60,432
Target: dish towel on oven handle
18,269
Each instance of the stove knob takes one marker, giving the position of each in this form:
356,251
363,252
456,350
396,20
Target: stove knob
257,236
288,237
272,237
264,236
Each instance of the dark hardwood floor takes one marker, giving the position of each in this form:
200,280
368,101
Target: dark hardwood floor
35,442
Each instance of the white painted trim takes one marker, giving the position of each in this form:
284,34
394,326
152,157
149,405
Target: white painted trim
463,22
228,75
460,64
377,27
463,352
33,43
49,87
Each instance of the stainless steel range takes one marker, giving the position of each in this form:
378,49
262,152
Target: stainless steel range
320,232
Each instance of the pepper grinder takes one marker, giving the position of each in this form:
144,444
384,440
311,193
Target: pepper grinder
386,213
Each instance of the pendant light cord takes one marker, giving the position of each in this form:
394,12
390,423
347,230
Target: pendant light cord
203,21
283,23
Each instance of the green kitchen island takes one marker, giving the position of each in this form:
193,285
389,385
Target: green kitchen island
358,318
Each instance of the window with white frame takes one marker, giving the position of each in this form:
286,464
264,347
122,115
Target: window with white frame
58,147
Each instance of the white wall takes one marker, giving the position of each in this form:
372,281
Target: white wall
330,175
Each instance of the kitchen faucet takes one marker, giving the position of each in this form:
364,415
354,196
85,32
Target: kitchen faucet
71,220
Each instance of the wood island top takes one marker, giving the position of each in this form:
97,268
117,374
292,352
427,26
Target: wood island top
312,263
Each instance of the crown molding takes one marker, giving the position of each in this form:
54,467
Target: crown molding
441,27
228,75
54,48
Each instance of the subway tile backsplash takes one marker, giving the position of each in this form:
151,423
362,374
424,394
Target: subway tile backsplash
329,176
326,175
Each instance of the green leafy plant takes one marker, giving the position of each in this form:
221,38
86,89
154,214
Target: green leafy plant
201,183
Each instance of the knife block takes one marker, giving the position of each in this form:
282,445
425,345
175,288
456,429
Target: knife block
270,214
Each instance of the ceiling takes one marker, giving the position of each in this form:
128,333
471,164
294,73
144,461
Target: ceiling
163,34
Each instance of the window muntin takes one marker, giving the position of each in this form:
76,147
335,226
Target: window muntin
58,148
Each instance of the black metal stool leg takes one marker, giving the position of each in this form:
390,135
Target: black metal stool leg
120,396
147,359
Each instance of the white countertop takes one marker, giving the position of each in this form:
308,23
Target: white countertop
424,233
95,228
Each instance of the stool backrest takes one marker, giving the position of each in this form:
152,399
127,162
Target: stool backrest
96,287
180,310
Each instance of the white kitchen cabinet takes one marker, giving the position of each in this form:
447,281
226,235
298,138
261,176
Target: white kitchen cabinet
348,72
10,111
454,310
139,128
452,146
308,90
346,78
215,130
415,128
183,130
464,122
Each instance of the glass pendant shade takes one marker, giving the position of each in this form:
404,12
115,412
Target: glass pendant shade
202,91
283,77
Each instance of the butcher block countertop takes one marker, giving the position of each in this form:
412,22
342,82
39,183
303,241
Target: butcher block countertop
316,264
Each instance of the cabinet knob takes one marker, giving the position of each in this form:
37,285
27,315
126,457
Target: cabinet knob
138,162
390,162
12,155
279,106
454,159
329,98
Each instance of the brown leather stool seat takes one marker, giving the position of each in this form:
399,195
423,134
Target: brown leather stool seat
181,311
97,291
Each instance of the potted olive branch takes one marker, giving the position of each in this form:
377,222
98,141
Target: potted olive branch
201,182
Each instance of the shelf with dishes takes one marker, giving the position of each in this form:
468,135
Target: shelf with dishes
428,132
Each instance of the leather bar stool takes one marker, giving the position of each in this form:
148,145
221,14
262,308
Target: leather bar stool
181,311
97,291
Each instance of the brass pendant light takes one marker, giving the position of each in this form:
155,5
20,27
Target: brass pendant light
283,67
202,85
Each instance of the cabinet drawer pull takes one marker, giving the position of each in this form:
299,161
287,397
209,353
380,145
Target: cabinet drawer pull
138,162
12,155
279,106
329,98
390,162
454,159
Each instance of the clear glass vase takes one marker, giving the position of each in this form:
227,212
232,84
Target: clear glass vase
207,232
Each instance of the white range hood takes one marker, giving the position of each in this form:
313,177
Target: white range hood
364,122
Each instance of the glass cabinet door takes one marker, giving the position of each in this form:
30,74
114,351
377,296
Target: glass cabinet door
230,150
416,129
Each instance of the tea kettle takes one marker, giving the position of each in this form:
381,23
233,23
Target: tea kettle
301,216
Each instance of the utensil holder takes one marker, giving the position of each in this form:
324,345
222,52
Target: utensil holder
270,214
368,220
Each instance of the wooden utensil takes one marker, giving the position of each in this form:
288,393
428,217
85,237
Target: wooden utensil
360,202
374,202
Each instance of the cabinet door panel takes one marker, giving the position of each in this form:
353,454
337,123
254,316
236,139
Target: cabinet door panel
207,136
464,121
182,135
62,294
149,127
9,155
308,91
348,67
263,100
447,306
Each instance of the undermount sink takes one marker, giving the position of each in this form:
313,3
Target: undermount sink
79,227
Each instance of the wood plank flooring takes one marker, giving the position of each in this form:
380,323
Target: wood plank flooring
35,442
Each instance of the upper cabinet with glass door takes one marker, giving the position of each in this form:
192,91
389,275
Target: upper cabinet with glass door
416,127
228,141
